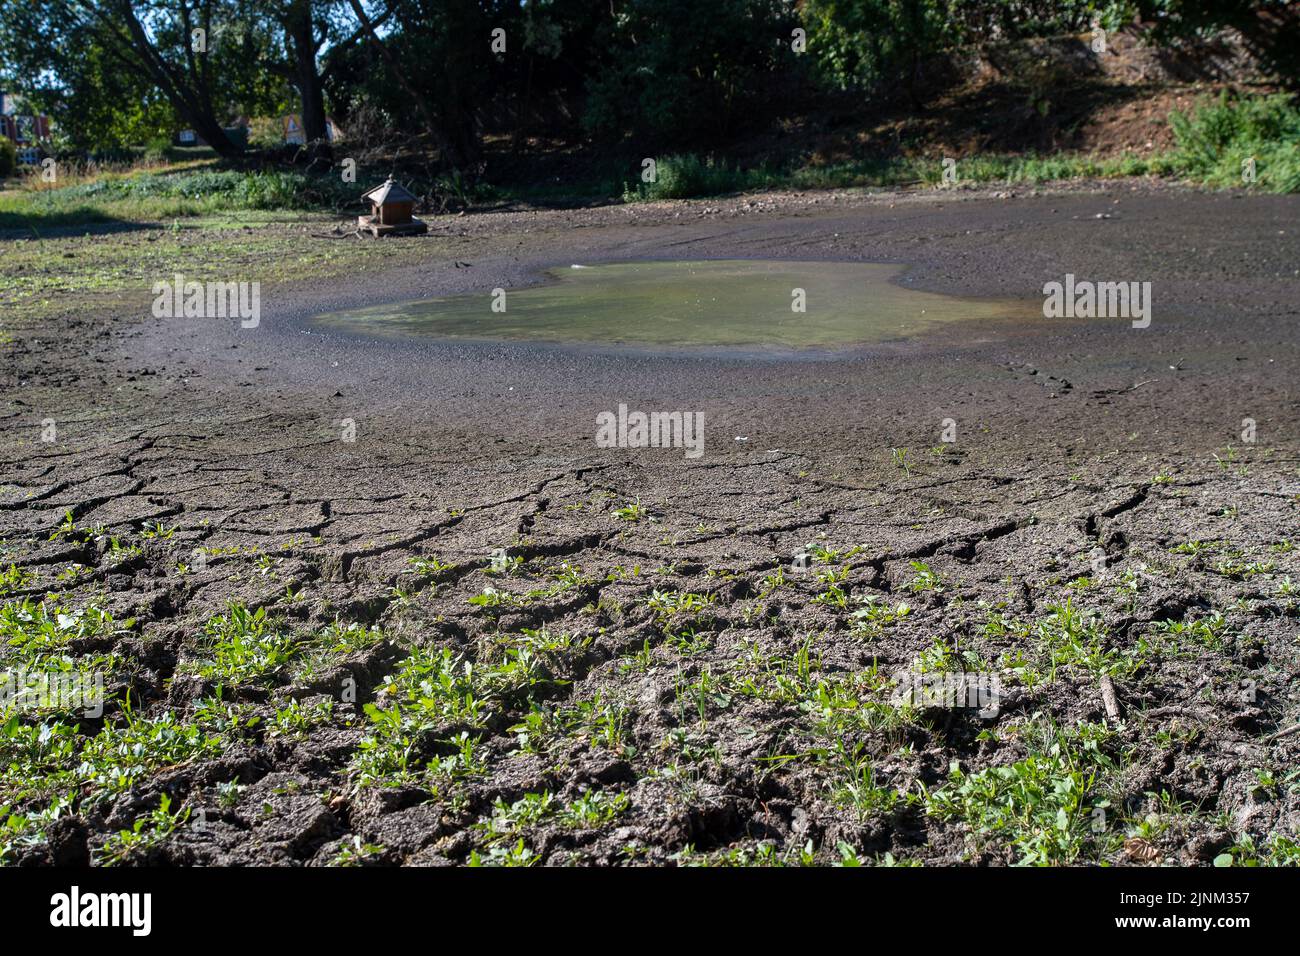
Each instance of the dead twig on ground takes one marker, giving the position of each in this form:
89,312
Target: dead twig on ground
1109,698
1284,732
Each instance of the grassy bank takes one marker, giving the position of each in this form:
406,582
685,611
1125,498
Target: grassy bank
1213,143
170,194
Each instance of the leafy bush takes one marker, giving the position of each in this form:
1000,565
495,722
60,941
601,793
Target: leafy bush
687,175
273,191
155,151
8,158
1216,139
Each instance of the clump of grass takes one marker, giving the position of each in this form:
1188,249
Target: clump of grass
30,627
923,580
146,832
900,460
427,567
854,783
244,647
155,195
1072,637
591,810
686,175
435,691
356,852
596,722
20,830
1208,631
15,579
212,189
1218,136
517,855
47,760
666,605
633,512
1042,808
872,618
1277,850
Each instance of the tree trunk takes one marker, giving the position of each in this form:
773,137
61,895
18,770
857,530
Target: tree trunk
192,104
397,73
453,154
300,30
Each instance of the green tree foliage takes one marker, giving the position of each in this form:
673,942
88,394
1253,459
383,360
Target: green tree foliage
1271,27
433,65
98,59
8,158
977,21
676,70
673,75
99,106
864,43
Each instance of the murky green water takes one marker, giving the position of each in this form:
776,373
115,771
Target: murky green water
737,303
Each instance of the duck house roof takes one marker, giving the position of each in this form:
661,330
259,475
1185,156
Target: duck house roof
389,191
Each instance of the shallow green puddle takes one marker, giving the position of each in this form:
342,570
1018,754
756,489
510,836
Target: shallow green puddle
736,302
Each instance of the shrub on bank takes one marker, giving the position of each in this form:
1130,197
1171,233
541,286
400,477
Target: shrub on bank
1213,142
8,157
1217,139
687,175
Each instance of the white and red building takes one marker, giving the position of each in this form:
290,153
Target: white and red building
26,130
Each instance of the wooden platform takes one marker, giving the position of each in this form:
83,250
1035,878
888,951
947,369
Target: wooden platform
377,229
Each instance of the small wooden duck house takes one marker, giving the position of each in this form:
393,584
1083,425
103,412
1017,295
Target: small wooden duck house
390,211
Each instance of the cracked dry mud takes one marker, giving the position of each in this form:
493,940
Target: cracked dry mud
485,639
